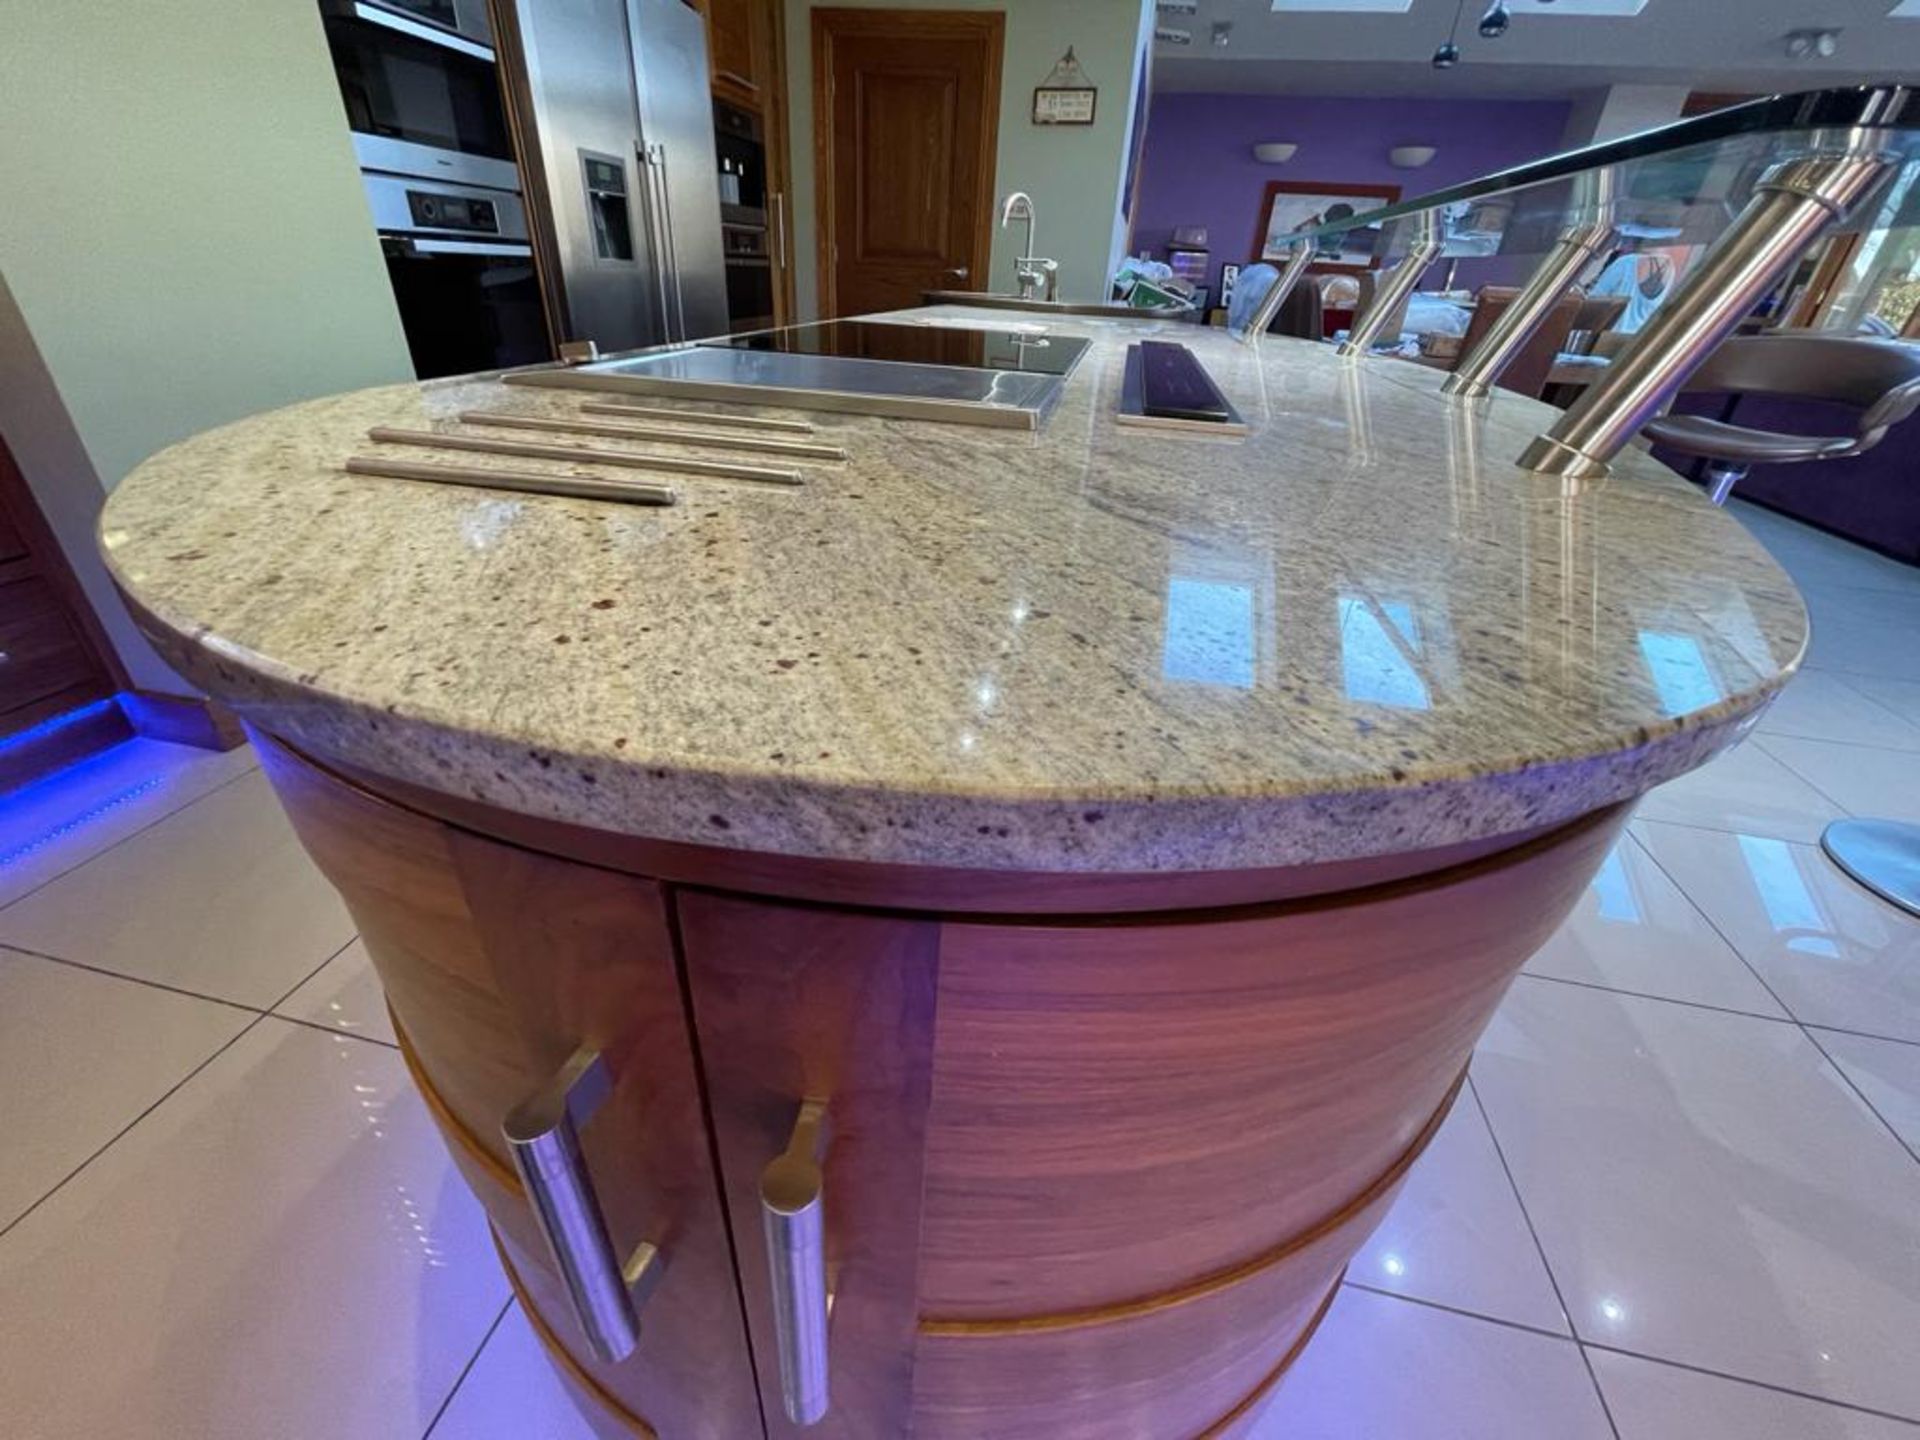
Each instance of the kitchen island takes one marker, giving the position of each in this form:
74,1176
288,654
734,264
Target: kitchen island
1061,873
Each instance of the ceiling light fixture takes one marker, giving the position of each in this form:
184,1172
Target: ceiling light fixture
1222,34
1812,44
1448,55
1494,23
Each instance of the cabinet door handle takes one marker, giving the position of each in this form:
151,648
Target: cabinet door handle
792,1206
780,229
543,1134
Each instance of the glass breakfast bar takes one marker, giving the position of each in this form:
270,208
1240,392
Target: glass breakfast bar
1751,199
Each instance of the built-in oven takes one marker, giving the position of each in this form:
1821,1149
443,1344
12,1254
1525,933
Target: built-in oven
421,88
462,273
740,148
749,271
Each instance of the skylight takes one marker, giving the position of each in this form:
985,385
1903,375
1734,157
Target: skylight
1378,7
1578,7
1905,10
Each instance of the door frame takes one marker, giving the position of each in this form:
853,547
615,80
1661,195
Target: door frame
832,22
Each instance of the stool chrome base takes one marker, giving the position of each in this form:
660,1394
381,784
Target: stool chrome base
1883,855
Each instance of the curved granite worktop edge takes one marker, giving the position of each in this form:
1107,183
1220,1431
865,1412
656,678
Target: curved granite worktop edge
1139,822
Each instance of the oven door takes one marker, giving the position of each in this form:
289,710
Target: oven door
466,305
421,101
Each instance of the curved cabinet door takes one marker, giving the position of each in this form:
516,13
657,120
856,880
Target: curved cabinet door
498,964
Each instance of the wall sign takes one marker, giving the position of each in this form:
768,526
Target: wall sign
1066,96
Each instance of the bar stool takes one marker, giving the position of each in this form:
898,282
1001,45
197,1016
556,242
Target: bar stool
1879,378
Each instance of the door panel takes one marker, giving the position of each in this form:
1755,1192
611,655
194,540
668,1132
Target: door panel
789,1004
498,963
907,108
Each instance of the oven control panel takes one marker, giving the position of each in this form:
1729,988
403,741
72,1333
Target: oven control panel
436,210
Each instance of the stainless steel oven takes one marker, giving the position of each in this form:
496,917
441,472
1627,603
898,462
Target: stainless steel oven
421,88
462,273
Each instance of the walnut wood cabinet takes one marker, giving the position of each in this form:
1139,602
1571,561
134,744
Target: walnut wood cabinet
1085,1174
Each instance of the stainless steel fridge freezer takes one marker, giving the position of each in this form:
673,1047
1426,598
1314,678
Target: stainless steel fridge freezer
614,124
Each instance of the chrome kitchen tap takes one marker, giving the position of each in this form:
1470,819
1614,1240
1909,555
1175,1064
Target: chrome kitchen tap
1030,272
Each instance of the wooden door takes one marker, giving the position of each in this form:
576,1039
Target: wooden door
906,118
498,963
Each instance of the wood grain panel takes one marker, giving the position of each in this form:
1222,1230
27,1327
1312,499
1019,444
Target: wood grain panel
1193,1092
791,1003
1184,1371
498,963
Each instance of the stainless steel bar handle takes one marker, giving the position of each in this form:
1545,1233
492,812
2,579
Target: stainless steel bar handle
780,229
543,1135
656,233
1299,257
673,243
792,1213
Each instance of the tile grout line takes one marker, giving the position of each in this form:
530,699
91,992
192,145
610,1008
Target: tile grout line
1605,1348
1718,1009
161,985
130,835
1847,1080
1526,1215
1807,780
124,1130
466,1370
165,1095
1826,1400
1441,1305
1806,1030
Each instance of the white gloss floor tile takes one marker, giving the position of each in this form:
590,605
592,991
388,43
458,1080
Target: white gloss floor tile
1864,631
1456,1235
218,899
344,995
1834,953
1651,1401
512,1393
1708,1190
1862,779
82,1055
1634,930
281,1248
1389,1369
1744,789
1887,1073
1824,705
52,825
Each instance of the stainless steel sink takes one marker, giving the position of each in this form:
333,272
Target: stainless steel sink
987,300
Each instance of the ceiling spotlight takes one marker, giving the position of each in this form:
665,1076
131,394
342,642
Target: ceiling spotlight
1222,34
1808,44
1494,23
1446,56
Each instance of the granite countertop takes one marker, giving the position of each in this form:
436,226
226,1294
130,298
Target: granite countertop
1360,630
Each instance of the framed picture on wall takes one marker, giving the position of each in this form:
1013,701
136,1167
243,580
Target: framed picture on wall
1289,204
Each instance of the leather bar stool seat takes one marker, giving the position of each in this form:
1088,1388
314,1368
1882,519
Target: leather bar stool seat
1879,379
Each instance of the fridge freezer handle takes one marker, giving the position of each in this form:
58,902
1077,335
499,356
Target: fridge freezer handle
673,252
657,239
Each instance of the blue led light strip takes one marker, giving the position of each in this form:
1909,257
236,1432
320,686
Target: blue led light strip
81,821
54,724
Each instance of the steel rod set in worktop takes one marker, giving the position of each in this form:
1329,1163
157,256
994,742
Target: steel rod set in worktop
584,484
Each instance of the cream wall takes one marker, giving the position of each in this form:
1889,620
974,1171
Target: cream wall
1074,173
181,222
183,241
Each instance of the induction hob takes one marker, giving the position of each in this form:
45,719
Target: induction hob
1009,378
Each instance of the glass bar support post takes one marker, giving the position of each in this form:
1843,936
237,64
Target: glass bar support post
1577,246
1396,287
1299,256
1791,206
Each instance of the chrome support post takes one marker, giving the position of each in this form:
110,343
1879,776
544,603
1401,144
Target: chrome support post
1299,257
1397,287
1791,206
1572,252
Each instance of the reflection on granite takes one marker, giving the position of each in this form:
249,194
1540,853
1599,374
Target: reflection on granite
1360,630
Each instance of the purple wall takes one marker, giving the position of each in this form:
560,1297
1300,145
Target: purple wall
1199,167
